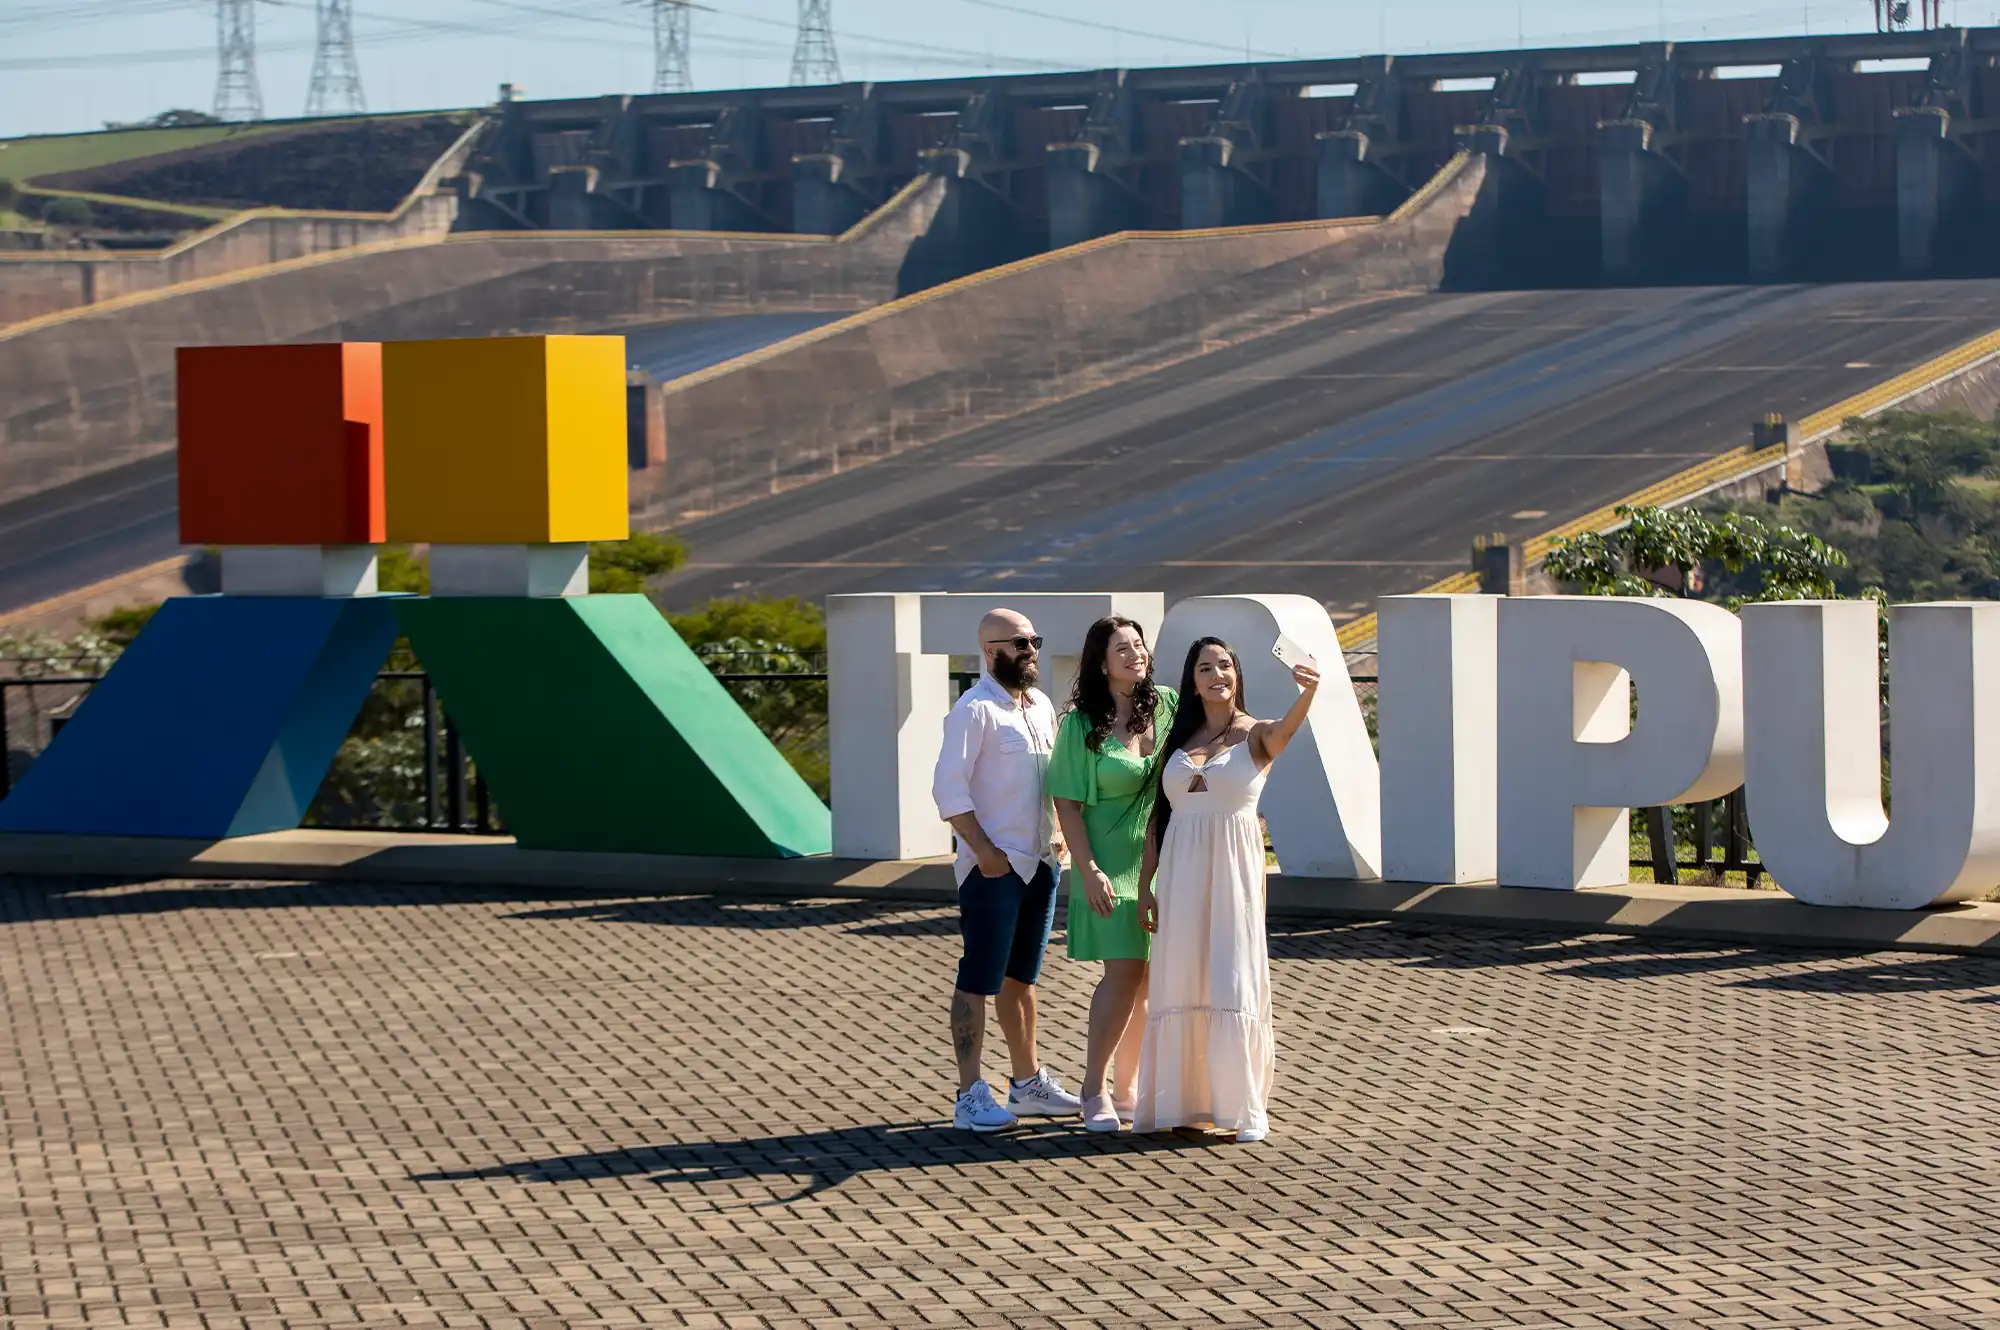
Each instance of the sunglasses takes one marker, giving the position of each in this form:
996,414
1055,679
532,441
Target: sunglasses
1018,643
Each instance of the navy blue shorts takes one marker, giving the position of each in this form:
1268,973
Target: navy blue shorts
1005,923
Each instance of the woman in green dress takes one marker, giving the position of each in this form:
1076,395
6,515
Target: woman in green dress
1101,778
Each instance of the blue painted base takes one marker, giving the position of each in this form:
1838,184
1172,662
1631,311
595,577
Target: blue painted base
221,719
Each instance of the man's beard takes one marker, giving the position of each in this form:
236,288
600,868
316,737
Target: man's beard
1013,673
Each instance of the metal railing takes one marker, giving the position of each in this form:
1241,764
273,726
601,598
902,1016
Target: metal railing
449,795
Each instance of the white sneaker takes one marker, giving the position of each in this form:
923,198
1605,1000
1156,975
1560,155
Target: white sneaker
976,1111
1100,1114
1042,1097
1259,1128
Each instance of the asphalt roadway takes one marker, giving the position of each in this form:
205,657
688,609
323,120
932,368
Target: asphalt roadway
1349,457
1344,458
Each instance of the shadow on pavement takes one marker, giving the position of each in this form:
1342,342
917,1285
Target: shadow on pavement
921,919
1436,947
826,1159
26,899
1432,946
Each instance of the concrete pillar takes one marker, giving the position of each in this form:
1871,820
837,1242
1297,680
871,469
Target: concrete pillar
1351,184
823,204
573,198
697,200
1501,566
1215,191
645,422
1502,239
1787,185
510,570
1936,189
299,570
1083,202
972,230
1641,194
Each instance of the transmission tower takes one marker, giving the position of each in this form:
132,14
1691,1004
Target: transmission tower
813,58
236,94
670,46
1901,15
336,76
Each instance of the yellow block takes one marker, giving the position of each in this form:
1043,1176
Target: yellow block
505,440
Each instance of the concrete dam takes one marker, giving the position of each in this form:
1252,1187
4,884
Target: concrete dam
1325,320
1765,159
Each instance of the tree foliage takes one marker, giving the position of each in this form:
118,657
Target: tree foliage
626,565
1756,561
784,636
1915,504
68,211
789,625
178,118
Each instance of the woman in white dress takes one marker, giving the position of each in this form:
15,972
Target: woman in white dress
1206,1058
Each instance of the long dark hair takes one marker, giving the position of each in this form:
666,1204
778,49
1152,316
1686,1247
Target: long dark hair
1188,720
1092,694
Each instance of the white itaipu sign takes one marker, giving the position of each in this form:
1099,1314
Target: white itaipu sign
1509,748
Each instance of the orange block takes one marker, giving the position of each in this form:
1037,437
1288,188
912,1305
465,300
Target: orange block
281,445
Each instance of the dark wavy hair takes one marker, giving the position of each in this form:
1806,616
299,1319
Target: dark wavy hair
1092,694
1188,720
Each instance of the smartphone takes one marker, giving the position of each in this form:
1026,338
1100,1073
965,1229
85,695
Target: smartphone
1291,655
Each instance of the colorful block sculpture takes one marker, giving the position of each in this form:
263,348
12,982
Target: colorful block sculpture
589,718
506,440
219,720
281,445
597,729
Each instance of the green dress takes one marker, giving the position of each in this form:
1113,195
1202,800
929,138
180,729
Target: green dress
1115,788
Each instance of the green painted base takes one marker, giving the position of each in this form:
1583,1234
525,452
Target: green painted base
598,729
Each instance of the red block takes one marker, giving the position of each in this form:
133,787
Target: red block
281,445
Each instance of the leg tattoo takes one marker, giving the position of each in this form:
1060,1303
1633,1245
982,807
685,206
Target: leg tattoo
968,1028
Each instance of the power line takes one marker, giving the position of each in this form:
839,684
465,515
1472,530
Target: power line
236,94
672,20
336,74
1075,22
814,59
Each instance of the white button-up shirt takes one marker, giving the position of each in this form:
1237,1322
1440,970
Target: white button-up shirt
994,763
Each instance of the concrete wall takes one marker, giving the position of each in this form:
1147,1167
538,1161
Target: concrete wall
1002,342
34,284
94,389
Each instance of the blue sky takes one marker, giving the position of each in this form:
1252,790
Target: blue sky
73,64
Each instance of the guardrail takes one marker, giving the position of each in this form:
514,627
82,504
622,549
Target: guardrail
449,796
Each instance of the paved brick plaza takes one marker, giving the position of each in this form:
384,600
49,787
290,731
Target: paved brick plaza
296,1105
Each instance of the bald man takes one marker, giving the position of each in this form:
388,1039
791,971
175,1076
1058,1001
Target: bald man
989,787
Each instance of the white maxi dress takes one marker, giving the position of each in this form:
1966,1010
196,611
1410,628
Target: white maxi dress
1206,1059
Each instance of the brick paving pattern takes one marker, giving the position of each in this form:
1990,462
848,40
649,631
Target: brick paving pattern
273,1105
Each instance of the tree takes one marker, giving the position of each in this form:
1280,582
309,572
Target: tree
788,626
625,565
1914,503
179,118
771,637
68,211
1758,561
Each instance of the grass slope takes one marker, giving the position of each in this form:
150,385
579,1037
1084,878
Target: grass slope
25,158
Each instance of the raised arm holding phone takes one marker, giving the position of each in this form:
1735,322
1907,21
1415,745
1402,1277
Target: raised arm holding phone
1206,1058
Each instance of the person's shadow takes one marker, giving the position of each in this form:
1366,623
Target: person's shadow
826,1159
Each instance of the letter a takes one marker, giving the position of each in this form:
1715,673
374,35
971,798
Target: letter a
1323,803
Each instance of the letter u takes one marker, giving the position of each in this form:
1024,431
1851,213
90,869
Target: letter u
1813,777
